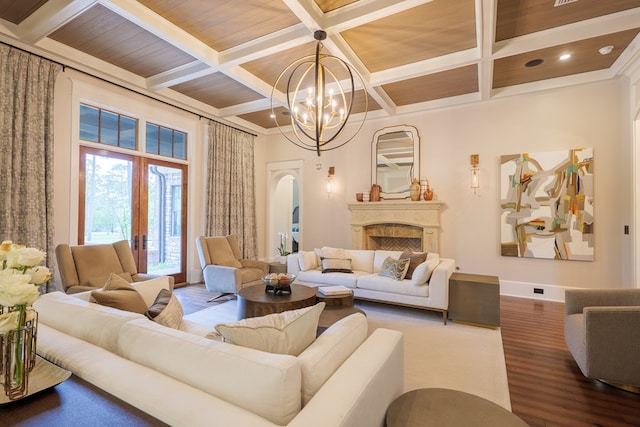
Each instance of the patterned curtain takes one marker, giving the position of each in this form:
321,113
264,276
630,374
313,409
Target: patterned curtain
231,187
26,149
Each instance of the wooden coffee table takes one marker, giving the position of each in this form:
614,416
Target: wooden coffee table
254,301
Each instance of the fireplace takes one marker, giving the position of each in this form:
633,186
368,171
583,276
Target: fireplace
396,225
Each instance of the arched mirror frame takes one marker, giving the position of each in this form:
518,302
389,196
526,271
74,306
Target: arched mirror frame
415,173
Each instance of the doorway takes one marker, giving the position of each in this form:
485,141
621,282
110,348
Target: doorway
142,200
285,207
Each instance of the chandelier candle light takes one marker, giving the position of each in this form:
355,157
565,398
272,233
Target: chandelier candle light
320,92
20,277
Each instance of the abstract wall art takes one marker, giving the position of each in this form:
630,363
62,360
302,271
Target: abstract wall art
547,205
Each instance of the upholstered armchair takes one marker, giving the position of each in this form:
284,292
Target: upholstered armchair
224,269
602,331
88,267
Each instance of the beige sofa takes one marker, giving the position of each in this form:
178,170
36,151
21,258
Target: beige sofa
346,377
428,288
602,332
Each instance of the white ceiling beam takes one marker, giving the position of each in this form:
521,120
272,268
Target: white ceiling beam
485,29
628,57
247,107
307,11
267,45
51,16
428,66
177,75
143,17
362,12
555,83
595,27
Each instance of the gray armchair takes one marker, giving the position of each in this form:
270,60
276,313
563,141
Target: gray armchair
88,267
602,331
224,269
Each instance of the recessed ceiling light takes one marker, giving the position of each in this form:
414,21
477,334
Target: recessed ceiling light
565,56
605,50
534,63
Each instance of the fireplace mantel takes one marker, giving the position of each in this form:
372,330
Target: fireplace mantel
396,213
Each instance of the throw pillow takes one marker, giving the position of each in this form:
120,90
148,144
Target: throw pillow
422,273
308,260
394,268
415,259
120,294
289,332
335,265
166,310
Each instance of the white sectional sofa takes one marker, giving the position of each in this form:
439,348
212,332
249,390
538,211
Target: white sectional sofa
428,287
346,377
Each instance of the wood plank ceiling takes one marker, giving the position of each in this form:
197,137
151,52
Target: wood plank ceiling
414,55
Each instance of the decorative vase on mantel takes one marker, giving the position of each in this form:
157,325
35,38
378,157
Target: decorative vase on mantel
428,193
18,351
414,190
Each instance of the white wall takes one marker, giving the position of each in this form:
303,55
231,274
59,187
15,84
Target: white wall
581,116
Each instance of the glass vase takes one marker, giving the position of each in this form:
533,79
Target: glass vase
18,354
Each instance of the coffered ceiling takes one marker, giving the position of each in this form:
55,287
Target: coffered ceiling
222,57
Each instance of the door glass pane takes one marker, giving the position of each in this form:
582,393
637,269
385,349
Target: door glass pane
108,188
164,213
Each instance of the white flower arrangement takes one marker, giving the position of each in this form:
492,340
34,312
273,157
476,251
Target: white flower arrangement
20,277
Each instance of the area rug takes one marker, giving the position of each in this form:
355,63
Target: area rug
455,356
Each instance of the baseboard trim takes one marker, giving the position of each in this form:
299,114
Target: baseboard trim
526,290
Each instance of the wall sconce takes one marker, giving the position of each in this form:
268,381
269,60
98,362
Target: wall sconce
332,172
475,172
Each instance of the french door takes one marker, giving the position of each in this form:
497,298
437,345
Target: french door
142,200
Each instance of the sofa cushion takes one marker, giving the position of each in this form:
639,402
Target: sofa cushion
289,332
321,359
422,273
221,253
415,259
361,259
329,252
375,282
316,277
94,323
336,265
394,268
266,384
120,294
379,257
166,310
308,260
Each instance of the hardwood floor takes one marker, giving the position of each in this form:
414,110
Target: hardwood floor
546,386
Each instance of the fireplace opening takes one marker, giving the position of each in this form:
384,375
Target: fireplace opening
393,237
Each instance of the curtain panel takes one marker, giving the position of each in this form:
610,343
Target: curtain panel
231,202
27,84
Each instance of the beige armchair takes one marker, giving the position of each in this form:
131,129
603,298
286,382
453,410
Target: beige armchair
602,331
88,267
224,269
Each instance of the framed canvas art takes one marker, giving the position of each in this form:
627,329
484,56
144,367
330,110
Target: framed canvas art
547,205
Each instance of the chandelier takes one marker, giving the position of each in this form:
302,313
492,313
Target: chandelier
320,94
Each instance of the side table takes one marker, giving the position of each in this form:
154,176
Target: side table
474,299
337,307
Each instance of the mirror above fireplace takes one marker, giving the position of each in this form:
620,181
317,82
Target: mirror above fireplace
395,160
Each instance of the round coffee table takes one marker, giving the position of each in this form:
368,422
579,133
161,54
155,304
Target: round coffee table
444,407
254,301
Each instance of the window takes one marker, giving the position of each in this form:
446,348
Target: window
106,127
176,210
166,142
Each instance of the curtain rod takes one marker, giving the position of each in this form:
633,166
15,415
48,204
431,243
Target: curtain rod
65,66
